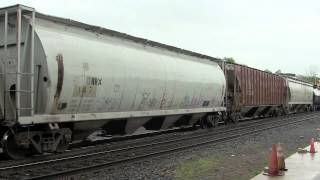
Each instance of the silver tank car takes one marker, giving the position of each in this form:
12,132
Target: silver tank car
300,95
62,80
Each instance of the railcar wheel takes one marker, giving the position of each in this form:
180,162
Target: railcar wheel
11,148
209,121
216,120
235,118
62,147
63,144
275,113
203,123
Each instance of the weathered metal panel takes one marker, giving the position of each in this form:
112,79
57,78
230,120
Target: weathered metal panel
248,91
275,92
255,95
109,74
263,92
258,87
271,89
266,84
251,83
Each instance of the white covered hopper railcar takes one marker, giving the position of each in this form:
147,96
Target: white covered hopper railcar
62,80
300,95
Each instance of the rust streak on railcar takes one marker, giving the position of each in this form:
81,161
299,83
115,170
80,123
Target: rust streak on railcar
59,59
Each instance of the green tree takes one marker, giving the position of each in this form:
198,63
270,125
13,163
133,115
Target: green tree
229,60
311,79
312,74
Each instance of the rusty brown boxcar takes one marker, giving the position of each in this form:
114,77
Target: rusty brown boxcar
252,92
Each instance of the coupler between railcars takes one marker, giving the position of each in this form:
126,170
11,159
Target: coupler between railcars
19,142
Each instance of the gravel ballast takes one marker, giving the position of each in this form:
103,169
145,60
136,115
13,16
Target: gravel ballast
238,159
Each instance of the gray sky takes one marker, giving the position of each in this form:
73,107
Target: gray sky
273,34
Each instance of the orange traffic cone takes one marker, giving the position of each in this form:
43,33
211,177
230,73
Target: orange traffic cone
273,162
281,158
312,148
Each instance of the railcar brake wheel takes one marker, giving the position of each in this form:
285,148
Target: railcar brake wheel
11,149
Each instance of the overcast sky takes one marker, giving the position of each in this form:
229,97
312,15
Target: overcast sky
272,34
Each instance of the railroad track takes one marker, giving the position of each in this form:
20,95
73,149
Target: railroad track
85,162
121,141
102,145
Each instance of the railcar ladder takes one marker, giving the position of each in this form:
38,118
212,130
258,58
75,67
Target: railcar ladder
23,89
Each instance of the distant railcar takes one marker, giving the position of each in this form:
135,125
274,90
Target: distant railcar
299,95
252,92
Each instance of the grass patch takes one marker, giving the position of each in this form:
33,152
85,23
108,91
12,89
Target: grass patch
198,168
246,162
